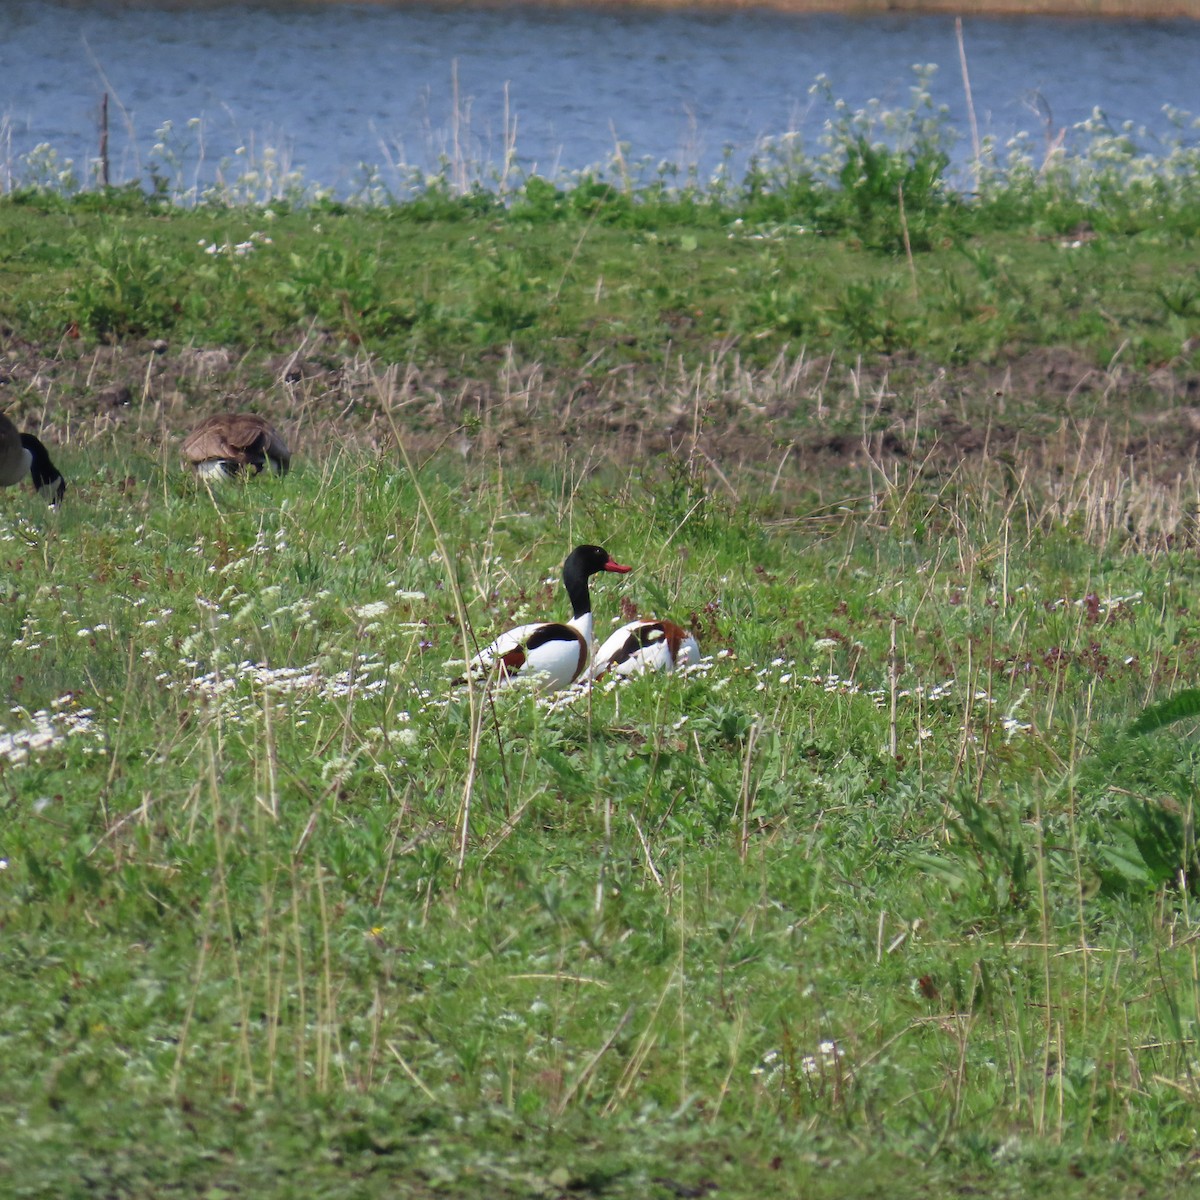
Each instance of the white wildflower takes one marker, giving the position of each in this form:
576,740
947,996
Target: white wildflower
368,612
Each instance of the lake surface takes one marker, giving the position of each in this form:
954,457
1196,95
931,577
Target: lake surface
332,87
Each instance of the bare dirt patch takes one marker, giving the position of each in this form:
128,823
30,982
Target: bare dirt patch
797,421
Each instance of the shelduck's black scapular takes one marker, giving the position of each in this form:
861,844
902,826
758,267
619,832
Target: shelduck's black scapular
646,645
227,444
22,455
553,654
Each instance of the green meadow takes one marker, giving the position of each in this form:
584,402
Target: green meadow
890,895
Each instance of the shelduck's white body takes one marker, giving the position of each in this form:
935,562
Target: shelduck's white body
646,645
551,654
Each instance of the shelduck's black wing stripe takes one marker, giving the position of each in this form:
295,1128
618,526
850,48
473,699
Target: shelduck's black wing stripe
632,644
552,631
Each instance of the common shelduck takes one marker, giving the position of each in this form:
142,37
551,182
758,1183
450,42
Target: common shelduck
21,455
229,443
554,653
646,645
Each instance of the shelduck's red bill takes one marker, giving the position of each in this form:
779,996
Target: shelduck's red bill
612,565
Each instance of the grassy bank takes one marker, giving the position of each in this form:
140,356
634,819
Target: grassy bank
891,895
884,891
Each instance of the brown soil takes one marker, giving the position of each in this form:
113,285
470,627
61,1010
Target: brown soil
806,424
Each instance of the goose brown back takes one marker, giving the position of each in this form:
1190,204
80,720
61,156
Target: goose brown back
229,443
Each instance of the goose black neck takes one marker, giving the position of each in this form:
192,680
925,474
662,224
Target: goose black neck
42,471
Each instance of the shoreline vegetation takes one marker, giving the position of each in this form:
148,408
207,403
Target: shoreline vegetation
894,893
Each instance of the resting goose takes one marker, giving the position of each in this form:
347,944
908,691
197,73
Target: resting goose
227,444
646,645
21,454
555,652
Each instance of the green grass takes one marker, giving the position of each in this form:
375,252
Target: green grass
575,295
893,895
823,916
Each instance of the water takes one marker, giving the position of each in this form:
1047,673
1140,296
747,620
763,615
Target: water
335,86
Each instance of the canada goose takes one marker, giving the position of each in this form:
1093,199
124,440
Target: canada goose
227,444
646,645
22,454
555,652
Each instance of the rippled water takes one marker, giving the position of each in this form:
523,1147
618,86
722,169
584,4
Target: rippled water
335,86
